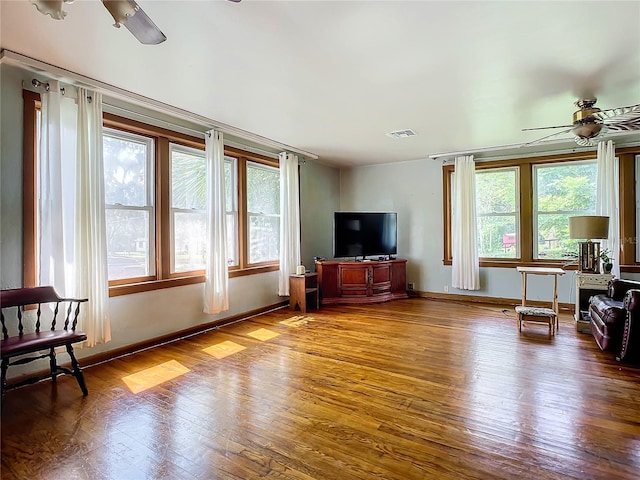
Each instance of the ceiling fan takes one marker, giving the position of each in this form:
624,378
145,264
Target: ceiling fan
124,12
590,123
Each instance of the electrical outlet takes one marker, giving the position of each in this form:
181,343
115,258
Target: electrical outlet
411,286
446,289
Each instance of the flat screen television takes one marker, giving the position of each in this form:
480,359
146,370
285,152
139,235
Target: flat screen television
364,233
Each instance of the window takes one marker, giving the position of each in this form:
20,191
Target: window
252,182
155,202
263,213
523,207
188,209
497,212
561,190
129,202
231,202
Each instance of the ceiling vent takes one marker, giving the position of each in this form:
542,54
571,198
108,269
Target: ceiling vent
402,133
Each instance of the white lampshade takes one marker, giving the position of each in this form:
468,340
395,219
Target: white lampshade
588,227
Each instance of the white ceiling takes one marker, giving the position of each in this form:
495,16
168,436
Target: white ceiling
333,77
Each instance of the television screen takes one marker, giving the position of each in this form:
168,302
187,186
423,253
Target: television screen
364,233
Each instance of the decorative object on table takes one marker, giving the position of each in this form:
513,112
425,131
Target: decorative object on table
607,261
589,227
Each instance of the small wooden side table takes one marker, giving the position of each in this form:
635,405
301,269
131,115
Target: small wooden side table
588,284
303,291
538,314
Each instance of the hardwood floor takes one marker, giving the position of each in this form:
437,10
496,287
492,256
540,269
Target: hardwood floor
411,389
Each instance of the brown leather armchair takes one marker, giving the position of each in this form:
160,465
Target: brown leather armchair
615,319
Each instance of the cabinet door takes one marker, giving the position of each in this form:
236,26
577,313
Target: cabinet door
353,280
380,279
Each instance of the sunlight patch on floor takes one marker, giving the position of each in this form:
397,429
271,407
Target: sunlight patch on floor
263,334
224,349
153,376
297,321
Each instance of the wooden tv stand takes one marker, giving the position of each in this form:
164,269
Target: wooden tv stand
361,282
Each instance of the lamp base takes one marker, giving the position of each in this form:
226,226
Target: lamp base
589,257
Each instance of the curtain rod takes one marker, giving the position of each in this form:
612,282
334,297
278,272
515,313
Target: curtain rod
199,133
13,58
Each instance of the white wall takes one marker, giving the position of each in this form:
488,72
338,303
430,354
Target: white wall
319,198
414,190
144,316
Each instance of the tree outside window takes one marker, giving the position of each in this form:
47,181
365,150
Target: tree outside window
561,190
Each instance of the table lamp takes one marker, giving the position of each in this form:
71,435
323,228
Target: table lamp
588,227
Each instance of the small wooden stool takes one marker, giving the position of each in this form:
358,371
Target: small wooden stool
537,315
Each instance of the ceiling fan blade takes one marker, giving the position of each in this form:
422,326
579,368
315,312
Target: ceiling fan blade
626,126
546,128
545,138
618,114
143,28
129,14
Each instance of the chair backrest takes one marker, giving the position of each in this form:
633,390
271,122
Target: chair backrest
20,298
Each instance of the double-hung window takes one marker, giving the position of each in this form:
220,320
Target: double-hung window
498,213
188,209
155,205
523,207
252,184
263,213
129,202
561,190
231,209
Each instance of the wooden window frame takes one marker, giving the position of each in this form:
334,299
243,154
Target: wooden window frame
162,138
628,210
244,267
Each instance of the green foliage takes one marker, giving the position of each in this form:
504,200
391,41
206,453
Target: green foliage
561,190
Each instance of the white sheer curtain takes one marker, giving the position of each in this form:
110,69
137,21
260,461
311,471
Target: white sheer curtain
92,276
56,182
465,271
216,287
289,220
607,194
72,237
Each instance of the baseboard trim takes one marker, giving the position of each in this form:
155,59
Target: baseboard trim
455,297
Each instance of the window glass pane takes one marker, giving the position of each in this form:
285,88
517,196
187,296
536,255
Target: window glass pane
561,191
128,167
126,170
189,240
231,201
264,238
188,205
188,178
232,235
497,213
230,185
263,189
263,205
128,249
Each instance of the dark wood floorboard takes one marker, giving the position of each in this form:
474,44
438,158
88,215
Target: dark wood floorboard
411,389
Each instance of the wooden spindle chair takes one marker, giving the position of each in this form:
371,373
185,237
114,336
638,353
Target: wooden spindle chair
19,345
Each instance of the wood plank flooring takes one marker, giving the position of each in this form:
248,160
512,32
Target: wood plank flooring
411,389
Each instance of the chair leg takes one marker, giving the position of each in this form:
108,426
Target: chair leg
76,371
53,365
3,375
